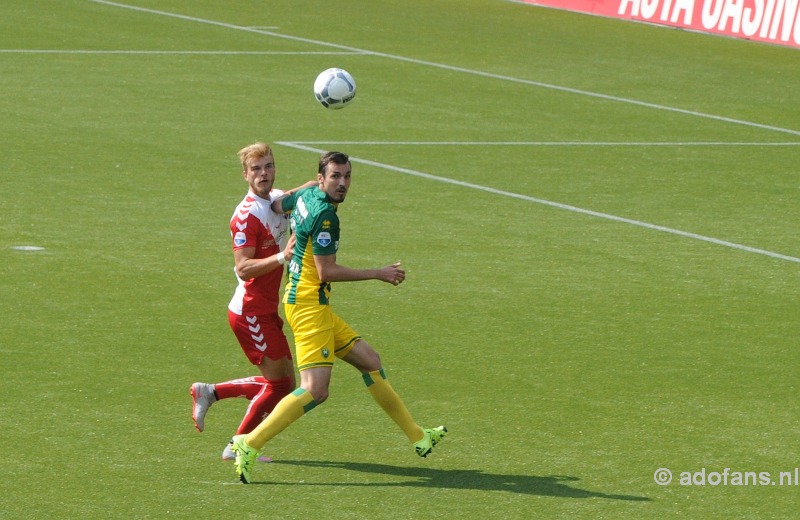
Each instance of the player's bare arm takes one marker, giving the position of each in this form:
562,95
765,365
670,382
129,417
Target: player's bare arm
248,267
276,204
330,271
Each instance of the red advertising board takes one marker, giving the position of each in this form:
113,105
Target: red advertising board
772,21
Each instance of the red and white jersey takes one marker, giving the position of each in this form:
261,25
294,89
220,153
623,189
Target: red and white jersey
254,224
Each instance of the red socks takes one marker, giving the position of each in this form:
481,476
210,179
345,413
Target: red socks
248,387
263,402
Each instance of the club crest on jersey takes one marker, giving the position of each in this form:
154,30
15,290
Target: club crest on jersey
324,239
325,353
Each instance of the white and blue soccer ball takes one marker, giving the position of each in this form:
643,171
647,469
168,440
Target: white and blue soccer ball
335,88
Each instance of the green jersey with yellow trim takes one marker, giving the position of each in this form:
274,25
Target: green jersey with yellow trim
316,226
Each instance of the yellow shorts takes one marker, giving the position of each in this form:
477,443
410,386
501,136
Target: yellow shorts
319,335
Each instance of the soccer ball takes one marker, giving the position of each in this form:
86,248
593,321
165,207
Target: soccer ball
334,88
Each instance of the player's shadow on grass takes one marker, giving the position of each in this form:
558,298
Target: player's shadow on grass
553,485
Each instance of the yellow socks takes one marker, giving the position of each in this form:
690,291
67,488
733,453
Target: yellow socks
299,402
288,410
387,398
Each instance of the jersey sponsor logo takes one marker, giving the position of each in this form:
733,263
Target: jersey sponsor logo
300,209
326,224
239,239
324,239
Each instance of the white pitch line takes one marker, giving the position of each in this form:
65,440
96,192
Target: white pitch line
547,143
550,203
464,70
256,30
243,53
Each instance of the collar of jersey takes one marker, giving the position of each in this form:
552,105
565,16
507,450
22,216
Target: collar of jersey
318,193
259,197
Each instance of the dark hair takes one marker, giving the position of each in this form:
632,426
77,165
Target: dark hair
332,157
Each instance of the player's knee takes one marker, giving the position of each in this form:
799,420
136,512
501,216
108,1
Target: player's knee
320,395
370,359
374,361
363,357
318,391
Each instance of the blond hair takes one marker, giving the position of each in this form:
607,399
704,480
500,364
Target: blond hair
253,152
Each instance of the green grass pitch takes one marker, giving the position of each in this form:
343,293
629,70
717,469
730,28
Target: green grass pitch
598,221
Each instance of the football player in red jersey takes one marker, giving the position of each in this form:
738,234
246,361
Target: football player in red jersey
261,246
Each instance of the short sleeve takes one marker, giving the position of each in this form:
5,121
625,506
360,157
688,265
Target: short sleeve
325,234
245,234
288,202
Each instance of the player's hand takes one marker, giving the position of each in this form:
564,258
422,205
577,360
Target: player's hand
393,274
288,251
